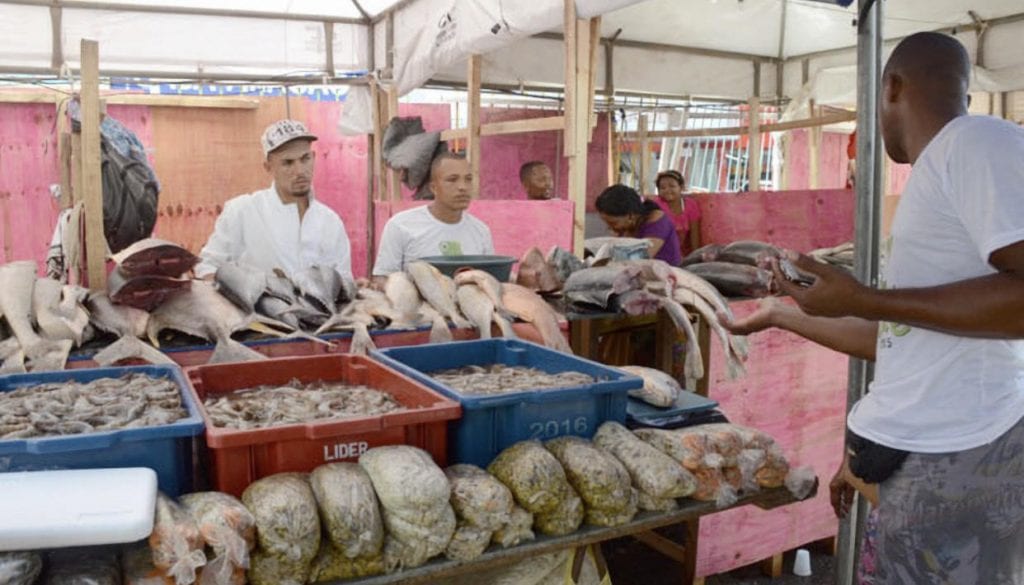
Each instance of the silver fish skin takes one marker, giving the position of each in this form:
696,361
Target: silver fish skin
660,389
241,285
694,364
16,294
476,305
438,290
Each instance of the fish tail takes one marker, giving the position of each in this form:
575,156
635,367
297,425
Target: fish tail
505,326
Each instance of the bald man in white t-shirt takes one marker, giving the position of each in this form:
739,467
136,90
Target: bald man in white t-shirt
441,228
938,442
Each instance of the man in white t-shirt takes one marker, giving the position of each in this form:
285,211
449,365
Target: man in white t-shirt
441,228
283,226
941,431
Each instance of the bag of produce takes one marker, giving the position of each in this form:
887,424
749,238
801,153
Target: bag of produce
176,542
652,471
479,498
564,519
414,544
20,568
229,530
348,509
687,448
405,478
596,475
600,517
287,524
468,542
267,568
332,564
83,566
519,529
649,503
137,568
749,462
722,438
535,477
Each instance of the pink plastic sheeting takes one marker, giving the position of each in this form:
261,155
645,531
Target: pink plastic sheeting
795,391
516,226
797,220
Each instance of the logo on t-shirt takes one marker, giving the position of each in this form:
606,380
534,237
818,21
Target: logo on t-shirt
451,248
888,331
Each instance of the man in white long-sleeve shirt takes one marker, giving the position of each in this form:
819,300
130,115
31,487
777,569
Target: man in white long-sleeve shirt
283,226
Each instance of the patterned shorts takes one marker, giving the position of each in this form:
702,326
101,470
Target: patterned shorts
954,518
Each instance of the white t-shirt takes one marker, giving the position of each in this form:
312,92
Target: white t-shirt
260,231
933,392
416,233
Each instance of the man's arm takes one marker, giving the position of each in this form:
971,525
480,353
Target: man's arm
849,335
344,251
989,307
222,246
389,252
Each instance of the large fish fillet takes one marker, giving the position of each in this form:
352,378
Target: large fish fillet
528,306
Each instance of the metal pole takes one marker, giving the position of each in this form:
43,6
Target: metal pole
867,224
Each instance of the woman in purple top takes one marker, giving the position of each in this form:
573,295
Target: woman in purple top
629,215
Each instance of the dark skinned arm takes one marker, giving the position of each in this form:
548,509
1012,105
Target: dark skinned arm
990,307
694,235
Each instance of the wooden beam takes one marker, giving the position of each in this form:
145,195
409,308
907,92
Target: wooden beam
754,146
141,99
581,129
814,150
644,150
92,182
569,103
473,121
378,171
76,168
545,124
595,37
772,566
395,177
667,48
663,545
816,121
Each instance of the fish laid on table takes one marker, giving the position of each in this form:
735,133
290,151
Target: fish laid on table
19,279
686,281
242,285
438,290
129,324
535,273
154,257
708,253
735,280
734,348
295,403
439,330
750,252
659,389
616,248
564,263
405,298
485,280
502,379
325,287
479,308
636,302
12,357
528,306
56,317
144,292
694,362
595,286
70,408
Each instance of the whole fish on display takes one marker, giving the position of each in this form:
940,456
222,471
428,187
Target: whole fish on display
703,254
438,290
535,273
128,324
749,252
528,306
735,280
18,284
596,286
154,257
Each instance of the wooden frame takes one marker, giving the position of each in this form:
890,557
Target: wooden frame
92,182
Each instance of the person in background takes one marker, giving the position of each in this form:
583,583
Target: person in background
282,226
627,214
441,228
537,180
683,211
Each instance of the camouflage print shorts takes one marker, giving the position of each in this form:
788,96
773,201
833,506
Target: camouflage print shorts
955,518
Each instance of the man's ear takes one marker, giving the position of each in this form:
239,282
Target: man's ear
892,87
266,164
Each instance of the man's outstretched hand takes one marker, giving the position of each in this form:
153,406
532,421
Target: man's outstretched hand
835,292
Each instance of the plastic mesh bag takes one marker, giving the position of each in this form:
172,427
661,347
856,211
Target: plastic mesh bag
687,448
775,470
519,529
275,569
535,477
468,542
405,478
652,471
722,438
229,530
85,566
564,519
623,515
596,475
348,509
647,502
332,564
412,544
287,523
479,498
20,568
659,389
137,568
176,542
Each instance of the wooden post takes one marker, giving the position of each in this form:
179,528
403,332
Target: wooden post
787,141
473,121
581,129
595,41
569,104
644,151
396,177
378,171
814,150
754,146
92,182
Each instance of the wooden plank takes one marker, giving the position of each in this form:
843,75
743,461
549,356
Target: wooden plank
816,121
76,167
455,134
377,172
595,40
754,146
663,545
587,535
395,178
64,161
473,120
772,566
581,129
140,99
92,183
814,152
521,126
569,101
645,146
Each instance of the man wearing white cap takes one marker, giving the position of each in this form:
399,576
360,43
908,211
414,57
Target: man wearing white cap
282,226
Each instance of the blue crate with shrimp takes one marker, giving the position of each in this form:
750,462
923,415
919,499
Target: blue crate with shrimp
492,422
55,439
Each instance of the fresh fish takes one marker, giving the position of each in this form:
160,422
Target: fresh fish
684,280
362,342
735,280
72,310
275,308
130,348
528,306
502,379
46,308
325,287
12,358
487,283
749,252
734,348
694,362
438,290
660,389
143,292
280,286
241,285
129,324
16,294
628,247
477,306
401,291
230,351
564,262
655,274
535,272
154,257
595,286
439,330
703,254
636,302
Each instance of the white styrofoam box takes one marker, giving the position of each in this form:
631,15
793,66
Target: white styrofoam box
54,509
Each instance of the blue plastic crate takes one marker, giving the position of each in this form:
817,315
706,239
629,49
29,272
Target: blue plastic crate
489,424
167,449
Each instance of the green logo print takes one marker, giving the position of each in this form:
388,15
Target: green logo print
451,248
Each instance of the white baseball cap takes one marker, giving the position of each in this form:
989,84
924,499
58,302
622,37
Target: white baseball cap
281,132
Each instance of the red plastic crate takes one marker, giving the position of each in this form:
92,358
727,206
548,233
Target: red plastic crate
238,458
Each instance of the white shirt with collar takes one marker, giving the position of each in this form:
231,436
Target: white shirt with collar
260,231
416,233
